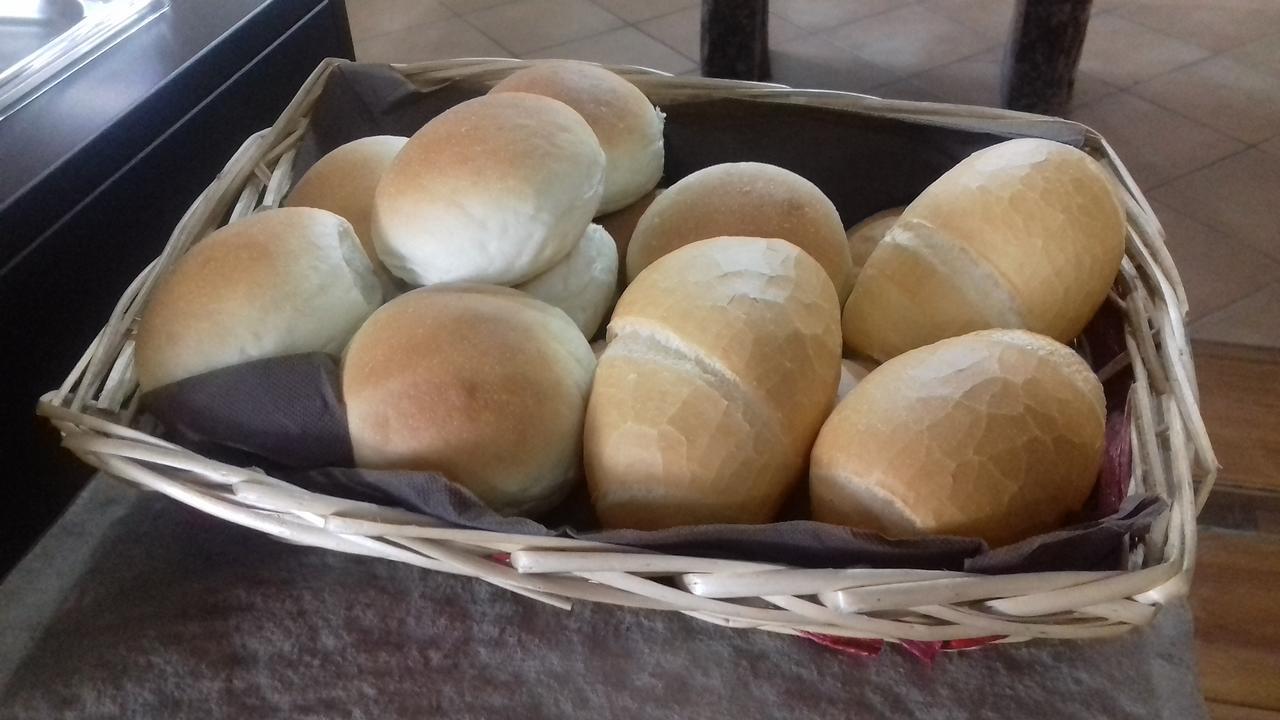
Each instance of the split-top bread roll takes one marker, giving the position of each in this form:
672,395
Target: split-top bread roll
997,434
867,234
1023,234
722,362
343,182
627,125
743,199
496,189
483,384
583,283
275,283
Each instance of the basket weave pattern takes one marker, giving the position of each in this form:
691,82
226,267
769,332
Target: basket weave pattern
1172,456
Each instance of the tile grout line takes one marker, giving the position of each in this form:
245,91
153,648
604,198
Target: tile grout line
1227,308
1176,111
1116,12
484,34
365,38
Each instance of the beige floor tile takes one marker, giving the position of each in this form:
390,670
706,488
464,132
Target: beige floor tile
992,17
1261,54
976,81
1239,196
910,40
528,25
624,46
683,30
1216,270
826,14
1227,96
1254,320
783,30
370,18
1156,144
816,62
1272,146
1123,52
430,41
463,7
637,10
1215,25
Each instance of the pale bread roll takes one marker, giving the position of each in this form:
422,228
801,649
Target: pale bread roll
867,234
627,125
622,224
722,360
1023,234
743,199
483,384
276,283
496,189
852,372
997,434
583,284
343,182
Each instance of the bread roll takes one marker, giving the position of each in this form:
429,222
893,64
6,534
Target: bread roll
583,283
485,385
722,360
496,189
744,199
627,125
866,235
343,182
1024,234
852,372
997,434
276,283
622,224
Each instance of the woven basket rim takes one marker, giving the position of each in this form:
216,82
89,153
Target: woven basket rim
94,406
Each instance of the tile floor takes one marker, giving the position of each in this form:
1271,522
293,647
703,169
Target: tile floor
1187,90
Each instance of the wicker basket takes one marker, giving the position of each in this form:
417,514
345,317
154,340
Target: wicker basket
1172,456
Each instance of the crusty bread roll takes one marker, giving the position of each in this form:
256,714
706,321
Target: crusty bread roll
275,283
1023,234
852,372
722,360
343,182
583,283
622,224
744,199
496,189
997,434
483,384
627,125
867,234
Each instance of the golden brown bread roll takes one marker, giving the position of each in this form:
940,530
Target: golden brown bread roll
997,434
496,189
276,283
1023,234
627,125
343,182
743,199
722,361
483,384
